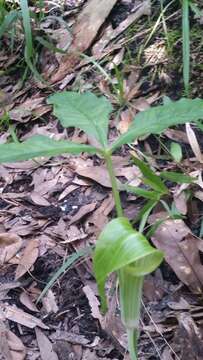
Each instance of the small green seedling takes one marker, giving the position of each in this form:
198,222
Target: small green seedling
120,247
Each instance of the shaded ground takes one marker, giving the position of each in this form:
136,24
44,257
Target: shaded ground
55,207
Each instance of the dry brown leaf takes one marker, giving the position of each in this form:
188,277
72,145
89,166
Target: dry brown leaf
100,216
126,120
39,199
93,303
101,176
84,210
143,8
19,316
85,30
26,300
180,201
29,257
45,346
49,302
11,347
194,143
181,252
189,337
23,112
10,244
96,173
176,135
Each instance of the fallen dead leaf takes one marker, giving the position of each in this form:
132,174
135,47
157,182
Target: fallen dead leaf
85,30
23,112
19,316
45,346
180,201
194,143
11,347
84,210
181,252
126,120
26,300
143,8
93,303
177,135
10,244
49,302
38,199
189,337
29,257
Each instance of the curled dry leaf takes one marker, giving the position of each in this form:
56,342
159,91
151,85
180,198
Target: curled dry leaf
45,346
29,257
10,244
181,250
26,300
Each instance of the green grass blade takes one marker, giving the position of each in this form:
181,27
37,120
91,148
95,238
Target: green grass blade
66,265
27,27
8,21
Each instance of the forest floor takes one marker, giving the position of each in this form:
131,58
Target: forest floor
51,210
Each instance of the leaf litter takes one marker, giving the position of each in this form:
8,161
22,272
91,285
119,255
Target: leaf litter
50,208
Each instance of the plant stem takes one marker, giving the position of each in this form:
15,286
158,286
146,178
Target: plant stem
132,343
115,191
130,301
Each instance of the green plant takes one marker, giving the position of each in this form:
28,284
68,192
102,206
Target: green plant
119,248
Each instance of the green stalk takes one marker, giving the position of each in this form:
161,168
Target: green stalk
130,285
130,301
186,45
115,191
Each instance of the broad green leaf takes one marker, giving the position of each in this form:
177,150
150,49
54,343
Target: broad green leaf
119,246
40,146
176,151
84,111
150,178
158,118
177,177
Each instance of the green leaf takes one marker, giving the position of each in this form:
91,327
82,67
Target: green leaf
7,22
177,177
84,111
152,195
157,119
40,146
119,246
150,178
176,151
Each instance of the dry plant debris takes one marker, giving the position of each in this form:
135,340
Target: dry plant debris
51,208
